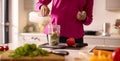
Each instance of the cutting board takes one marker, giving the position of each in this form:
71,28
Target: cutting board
50,57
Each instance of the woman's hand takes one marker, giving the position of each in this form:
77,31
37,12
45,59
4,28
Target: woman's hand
44,10
81,16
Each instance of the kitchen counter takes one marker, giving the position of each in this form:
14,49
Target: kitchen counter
80,54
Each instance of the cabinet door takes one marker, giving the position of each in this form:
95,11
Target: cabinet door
94,41
112,41
113,4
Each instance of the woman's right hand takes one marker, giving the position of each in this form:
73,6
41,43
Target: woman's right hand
44,10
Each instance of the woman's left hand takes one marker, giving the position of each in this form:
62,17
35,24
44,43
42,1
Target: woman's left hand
81,16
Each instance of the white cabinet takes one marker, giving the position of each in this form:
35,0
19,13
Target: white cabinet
94,40
102,40
37,38
113,4
112,41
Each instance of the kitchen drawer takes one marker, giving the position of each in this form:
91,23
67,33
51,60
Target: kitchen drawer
112,41
94,41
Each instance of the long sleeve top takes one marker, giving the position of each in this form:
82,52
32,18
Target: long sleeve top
64,13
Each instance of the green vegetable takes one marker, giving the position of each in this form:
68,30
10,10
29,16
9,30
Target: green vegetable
33,46
55,36
26,47
28,50
1,52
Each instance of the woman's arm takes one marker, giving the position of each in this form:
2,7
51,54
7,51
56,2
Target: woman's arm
40,3
89,12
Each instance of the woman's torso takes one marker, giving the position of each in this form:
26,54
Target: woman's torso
64,13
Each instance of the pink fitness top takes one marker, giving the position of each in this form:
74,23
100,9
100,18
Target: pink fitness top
64,13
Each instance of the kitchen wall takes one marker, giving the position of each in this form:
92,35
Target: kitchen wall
100,15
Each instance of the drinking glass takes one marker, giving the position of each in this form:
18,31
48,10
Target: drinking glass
53,35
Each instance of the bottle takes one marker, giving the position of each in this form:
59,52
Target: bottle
106,29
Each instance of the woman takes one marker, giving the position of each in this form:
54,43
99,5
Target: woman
71,15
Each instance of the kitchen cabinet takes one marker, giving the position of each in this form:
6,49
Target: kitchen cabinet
29,4
112,41
113,4
102,40
40,38
94,40
37,38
